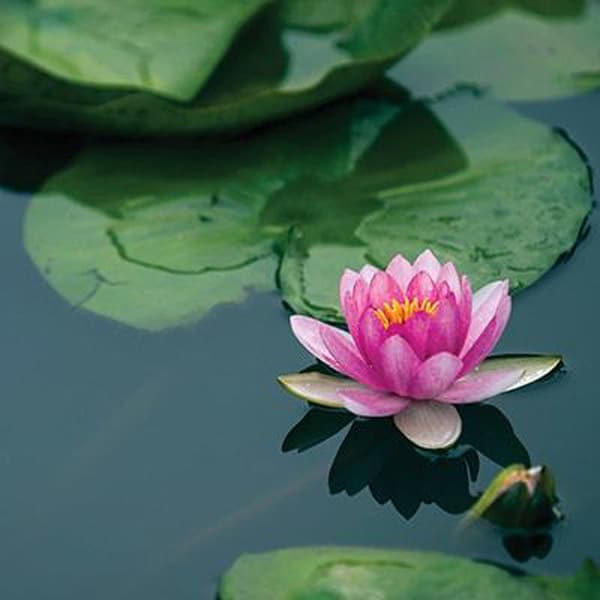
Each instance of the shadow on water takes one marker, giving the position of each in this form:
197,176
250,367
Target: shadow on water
376,456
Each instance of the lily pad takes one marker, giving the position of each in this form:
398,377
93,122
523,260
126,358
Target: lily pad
351,573
168,47
356,182
506,199
156,244
156,236
520,50
271,68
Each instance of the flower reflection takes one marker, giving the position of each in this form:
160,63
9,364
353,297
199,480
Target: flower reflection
372,455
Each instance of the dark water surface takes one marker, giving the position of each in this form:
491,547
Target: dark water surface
137,465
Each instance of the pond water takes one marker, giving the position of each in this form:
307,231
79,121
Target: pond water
140,465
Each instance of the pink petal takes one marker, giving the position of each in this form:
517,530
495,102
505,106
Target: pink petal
487,293
335,348
349,278
421,286
349,361
426,261
398,363
383,288
401,270
476,387
444,328
368,272
308,332
370,337
449,275
435,375
355,305
481,348
369,403
489,337
485,305
415,331
465,308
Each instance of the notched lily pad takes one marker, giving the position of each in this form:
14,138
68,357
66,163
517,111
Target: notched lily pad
497,194
359,181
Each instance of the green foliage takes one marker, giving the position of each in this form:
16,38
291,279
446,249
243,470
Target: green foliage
155,236
189,66
360,573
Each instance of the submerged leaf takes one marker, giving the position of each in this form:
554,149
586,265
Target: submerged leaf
519,49
361,573
91,270
495,193
154,236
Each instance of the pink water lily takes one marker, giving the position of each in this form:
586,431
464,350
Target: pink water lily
417,334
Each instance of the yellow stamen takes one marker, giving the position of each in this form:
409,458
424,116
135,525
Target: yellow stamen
397,313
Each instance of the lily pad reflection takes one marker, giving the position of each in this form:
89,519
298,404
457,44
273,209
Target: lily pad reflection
373,455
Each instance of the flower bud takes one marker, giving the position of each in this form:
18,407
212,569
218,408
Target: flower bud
519,498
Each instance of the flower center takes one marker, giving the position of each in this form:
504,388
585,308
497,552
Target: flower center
396,313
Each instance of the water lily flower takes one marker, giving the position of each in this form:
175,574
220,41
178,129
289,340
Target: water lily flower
417,343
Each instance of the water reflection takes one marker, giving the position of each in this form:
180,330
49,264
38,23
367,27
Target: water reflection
524,546
374,455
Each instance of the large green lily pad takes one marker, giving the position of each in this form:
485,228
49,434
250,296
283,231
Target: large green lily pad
361,573
168,47
121,79
155,236
519,49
